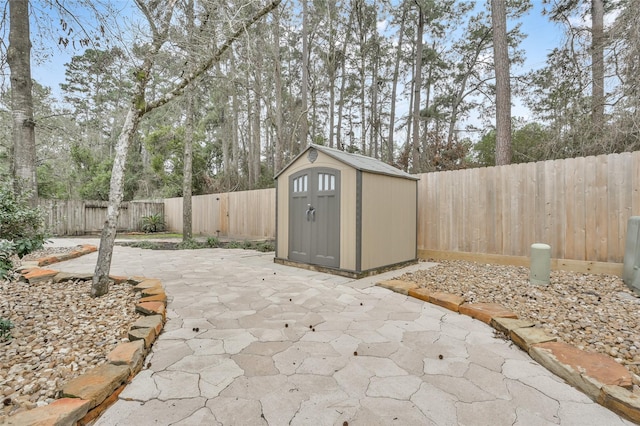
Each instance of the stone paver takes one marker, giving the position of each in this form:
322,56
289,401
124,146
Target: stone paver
251,342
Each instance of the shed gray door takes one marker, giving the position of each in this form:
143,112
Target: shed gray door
314,217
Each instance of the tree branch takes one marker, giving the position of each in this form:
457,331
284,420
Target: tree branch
179,88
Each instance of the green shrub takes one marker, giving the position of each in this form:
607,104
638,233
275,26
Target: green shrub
265,246
153,223
142,244
190,244
5,329
21,226
7,249
213,242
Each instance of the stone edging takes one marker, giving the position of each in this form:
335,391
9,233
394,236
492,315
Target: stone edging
597,375
86,397
84,249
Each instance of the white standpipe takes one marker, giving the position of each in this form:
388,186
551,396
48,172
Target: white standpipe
540,264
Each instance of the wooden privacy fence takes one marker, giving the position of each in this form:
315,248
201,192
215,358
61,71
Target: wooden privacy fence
75,217
579,206
245,214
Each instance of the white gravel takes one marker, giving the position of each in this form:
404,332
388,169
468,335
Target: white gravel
596,313
59,333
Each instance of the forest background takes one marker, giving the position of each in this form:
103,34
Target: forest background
345,74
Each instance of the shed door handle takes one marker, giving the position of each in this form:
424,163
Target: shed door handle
312,211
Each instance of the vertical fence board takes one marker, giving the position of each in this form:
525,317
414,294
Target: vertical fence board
590,209
602,204
569,212
482,212
579,220
549,219
614,190
626,210
635,183
529,230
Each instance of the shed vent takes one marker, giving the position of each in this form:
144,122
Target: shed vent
313,155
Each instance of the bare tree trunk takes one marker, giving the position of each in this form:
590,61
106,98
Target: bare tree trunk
597,65
332,65
373,115
503,85
23,129
249,136
304,84
235,133
417,88
187,171
256,142
226,140
343,82
187,178
394,90
277,78
100,285
363,109
425,164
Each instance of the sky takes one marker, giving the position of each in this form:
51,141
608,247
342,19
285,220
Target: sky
542,37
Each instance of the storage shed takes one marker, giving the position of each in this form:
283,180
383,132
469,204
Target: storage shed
345,213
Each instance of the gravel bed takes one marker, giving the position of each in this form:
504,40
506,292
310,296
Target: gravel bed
596,313
59,332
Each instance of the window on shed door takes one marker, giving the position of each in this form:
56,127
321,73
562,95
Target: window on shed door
326,182
300,184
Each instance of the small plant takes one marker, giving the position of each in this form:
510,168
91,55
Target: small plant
190,244
5,329
265,246
213,242
7,249
234,245
142,244
153,223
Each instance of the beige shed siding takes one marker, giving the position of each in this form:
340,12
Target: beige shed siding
388,220
348,218
347,207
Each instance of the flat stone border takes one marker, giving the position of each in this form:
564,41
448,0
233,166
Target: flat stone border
597,375
84,249
86,397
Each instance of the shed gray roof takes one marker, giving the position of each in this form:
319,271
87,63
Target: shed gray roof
358,162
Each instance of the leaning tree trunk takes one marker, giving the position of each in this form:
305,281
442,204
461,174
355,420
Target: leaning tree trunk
23,130
100,285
